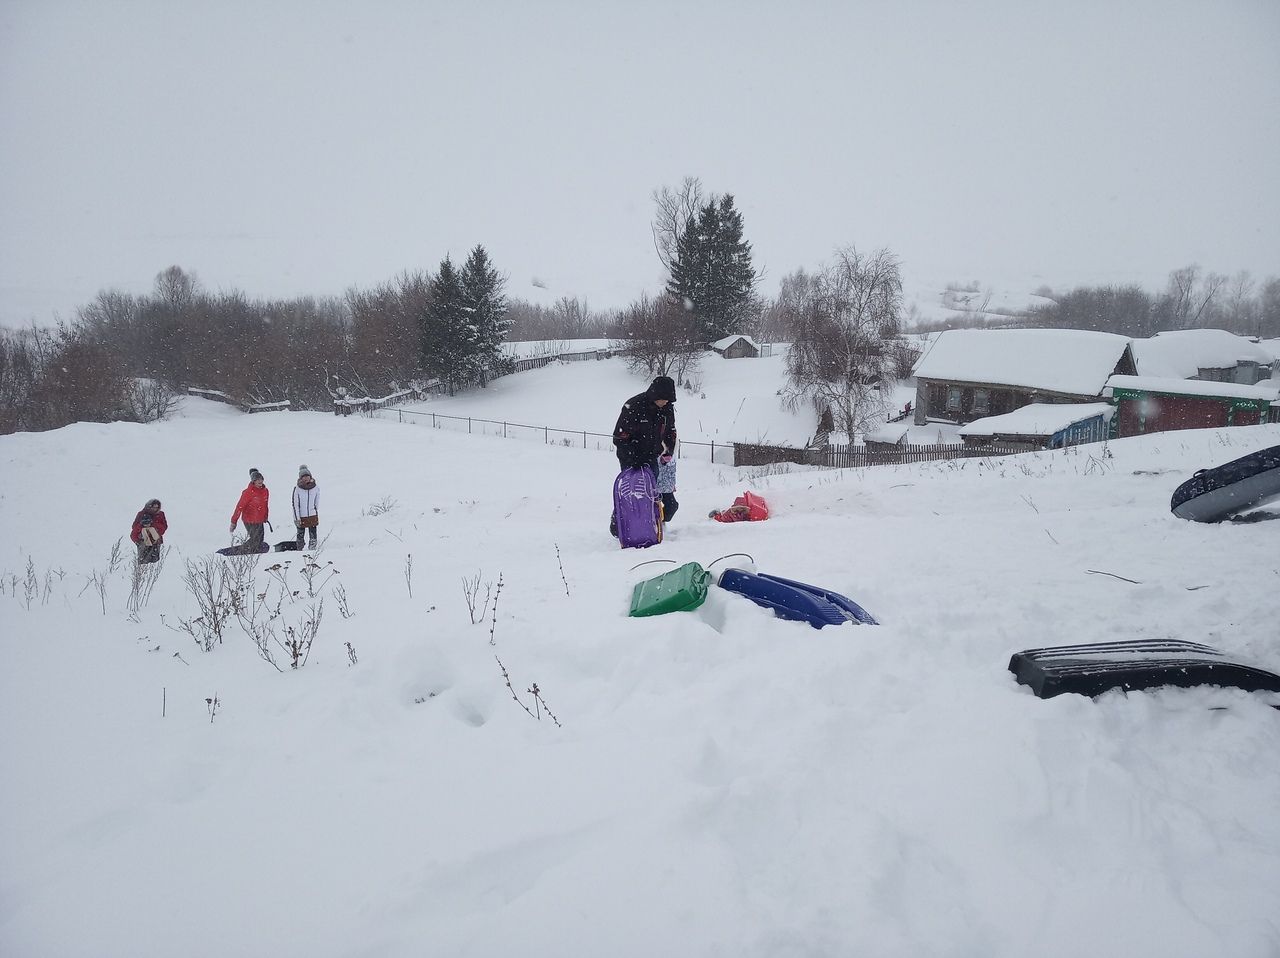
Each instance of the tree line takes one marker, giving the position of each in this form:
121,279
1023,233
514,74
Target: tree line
1191,299
126,357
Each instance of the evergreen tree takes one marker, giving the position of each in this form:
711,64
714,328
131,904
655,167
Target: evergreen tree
482,295
712,272
446,336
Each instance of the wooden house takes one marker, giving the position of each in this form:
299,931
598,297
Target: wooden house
1042,426
1150,404
1212,355
968,374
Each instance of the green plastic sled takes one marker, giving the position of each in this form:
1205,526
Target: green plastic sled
679,590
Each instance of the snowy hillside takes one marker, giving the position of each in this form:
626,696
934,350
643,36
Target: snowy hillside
737,400
720,783
934,299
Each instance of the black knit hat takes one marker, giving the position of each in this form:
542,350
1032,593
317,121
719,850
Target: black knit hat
663,387
255,474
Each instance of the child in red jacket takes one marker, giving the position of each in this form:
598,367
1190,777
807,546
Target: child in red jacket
149,527
253,507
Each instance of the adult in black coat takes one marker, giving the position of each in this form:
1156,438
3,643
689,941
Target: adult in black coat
646,426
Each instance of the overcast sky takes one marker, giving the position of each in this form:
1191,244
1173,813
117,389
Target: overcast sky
289,148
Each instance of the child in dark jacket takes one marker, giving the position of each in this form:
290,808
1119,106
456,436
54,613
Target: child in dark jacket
149,527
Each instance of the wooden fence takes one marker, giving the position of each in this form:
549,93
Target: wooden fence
842,457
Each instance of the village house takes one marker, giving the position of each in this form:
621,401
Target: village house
736,347
968,374
1211,355
1042,426
1160,404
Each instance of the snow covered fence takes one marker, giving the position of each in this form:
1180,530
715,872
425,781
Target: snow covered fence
343,405
217,395
537,362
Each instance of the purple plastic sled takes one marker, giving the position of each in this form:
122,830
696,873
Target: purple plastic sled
637,508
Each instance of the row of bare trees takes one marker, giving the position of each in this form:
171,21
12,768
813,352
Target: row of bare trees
125,357
52,377
1192,299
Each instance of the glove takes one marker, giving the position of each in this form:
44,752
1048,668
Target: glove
233,527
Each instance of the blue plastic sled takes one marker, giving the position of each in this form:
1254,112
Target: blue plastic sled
797,601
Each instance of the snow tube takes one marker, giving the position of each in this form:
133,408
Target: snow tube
1212,495
796,601
1141,664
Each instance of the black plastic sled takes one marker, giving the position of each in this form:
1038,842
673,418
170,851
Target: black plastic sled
1212,495
241,551
1133,666
289,545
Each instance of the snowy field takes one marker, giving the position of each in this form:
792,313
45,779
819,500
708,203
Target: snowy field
737,400
720,783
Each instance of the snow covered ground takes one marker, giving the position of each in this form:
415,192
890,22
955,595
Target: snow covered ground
721,782
737,400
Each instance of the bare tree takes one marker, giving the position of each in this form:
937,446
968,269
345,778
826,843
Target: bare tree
780,317
661,338
843,357
672,209
385,331
573,319
1187,299
1239,308
1269,308
149,400
175,288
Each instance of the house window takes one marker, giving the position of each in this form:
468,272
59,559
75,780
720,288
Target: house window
981,402
953,399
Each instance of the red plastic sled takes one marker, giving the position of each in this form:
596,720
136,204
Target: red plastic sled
748,507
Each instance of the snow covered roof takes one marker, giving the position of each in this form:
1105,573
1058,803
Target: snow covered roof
1183,353
1189,387
730,340
1037,419
890,432
1059,360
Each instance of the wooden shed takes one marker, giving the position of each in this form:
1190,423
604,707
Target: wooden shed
736,347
